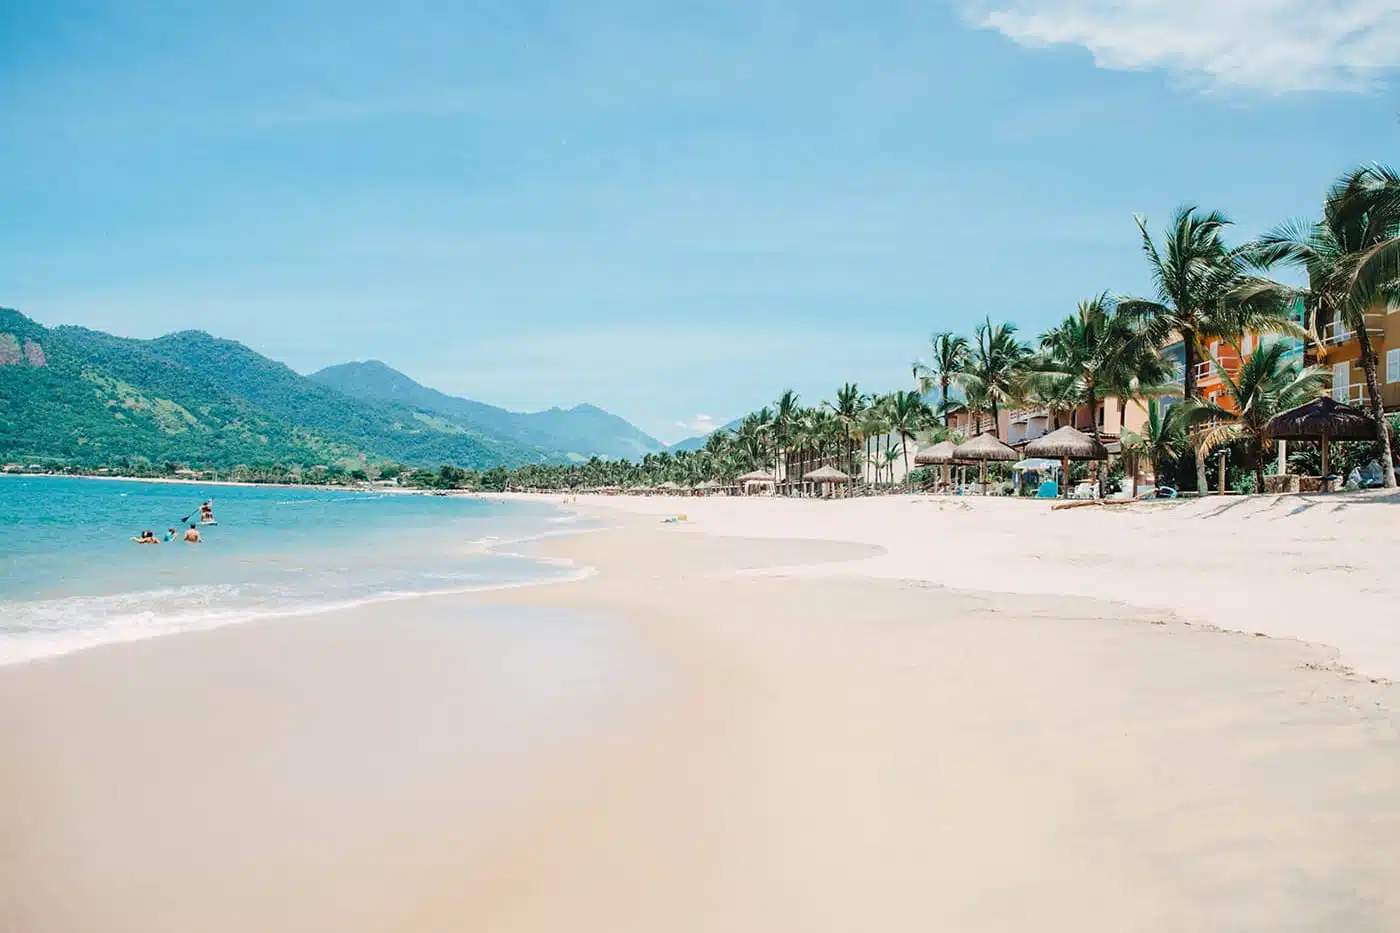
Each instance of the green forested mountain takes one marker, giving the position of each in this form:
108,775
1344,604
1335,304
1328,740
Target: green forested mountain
90,397
575,433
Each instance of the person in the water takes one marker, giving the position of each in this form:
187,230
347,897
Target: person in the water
147,537
172,534
206,512
192,535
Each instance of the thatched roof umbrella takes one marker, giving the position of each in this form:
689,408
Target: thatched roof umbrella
1066,444
939,454
826,476
1323,419
982,448
756,478
669,486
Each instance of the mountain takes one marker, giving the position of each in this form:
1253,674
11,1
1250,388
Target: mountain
697,442
575,433
89,397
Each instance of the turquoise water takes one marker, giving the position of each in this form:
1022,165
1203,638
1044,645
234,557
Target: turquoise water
70,577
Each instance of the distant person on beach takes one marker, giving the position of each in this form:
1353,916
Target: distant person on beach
147,537
192,535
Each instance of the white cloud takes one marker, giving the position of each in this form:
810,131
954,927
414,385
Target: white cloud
1275,46
697,425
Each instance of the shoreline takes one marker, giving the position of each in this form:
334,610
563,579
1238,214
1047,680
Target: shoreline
834,750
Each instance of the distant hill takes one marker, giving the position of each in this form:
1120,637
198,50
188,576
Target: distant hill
89,397
697,442
575,433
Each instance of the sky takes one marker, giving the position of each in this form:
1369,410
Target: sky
670,210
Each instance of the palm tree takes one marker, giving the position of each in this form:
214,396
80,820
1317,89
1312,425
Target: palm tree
995,369
787,413
1163,438
1094,353
909,414
876,424
950,352
1200,283
1265,386
849,406
1352,258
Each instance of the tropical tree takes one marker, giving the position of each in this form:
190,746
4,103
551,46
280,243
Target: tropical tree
849,406
994,373
909,414
950,352
1352,259
1162,439
787,414
1204,291
1094,353
1266,385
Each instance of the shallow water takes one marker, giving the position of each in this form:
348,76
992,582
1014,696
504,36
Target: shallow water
70,577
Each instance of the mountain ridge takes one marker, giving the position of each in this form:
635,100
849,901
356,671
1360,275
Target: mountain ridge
576,433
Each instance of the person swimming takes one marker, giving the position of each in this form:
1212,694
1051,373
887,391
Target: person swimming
172,534
192,535
147,537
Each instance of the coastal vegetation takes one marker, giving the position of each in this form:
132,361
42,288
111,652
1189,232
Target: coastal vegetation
81,400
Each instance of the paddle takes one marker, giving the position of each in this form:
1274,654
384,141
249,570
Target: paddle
196,510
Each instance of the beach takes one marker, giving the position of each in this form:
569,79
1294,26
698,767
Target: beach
896,713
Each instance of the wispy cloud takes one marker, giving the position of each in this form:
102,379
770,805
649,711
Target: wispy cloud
1274,46
698,424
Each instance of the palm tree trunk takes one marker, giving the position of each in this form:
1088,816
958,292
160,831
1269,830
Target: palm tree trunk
908,483
943,400
1188,381
1373,391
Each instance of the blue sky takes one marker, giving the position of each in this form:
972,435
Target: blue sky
670,210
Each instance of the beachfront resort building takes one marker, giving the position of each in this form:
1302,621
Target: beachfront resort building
1338,349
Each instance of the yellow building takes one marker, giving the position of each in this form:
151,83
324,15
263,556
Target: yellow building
1339,350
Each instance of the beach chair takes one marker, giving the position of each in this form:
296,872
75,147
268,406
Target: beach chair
1048,490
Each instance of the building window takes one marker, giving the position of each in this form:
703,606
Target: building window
1392,365
1101,415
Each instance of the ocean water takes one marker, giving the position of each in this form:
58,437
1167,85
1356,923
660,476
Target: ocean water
70,577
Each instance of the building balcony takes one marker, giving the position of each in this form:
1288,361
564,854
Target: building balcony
1026,415
1355,394
1337,333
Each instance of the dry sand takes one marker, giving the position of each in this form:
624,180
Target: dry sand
815,748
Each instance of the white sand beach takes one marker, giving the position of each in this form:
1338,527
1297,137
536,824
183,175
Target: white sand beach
888,714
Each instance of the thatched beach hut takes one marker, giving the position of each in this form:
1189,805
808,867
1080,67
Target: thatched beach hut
1324,419
1066,444
756,479
982,448
828,477
940,454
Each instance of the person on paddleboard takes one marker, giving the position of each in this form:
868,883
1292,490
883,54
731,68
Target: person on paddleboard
206,512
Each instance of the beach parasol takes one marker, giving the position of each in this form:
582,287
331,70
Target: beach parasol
826,476
1066,444
940,453
669,486
982,448
1323,419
